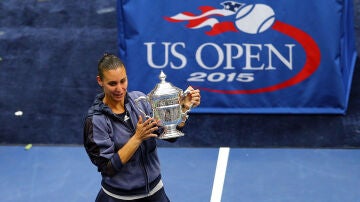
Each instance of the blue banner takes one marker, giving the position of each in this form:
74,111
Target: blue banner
245,56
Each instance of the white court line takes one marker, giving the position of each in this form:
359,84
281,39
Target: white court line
220,174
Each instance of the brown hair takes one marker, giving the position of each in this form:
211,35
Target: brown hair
107,62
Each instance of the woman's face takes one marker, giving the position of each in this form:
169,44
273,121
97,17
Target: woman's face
114,84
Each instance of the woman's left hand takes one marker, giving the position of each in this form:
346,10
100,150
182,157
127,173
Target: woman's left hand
192,99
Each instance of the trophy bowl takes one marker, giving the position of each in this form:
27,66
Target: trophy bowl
165,103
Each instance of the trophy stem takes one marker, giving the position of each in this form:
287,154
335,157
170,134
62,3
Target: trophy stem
171,132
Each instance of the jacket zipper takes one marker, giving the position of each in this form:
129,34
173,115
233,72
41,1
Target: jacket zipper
147,188
142,158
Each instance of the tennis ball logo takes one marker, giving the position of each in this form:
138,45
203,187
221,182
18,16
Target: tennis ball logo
254,19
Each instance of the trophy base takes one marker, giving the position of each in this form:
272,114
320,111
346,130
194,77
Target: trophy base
171,132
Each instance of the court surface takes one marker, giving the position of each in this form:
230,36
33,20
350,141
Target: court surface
64,173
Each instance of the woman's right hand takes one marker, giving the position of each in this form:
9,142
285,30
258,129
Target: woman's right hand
144,130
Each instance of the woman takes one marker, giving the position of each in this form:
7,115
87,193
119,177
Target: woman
121,142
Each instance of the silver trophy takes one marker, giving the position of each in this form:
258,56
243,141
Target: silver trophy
165,103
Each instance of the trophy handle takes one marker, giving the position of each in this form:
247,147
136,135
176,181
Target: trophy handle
183,95
137,100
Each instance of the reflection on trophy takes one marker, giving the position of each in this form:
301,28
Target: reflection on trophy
165,103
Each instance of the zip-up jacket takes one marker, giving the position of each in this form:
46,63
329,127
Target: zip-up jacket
105,133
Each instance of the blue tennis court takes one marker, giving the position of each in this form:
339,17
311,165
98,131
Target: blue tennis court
64,173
